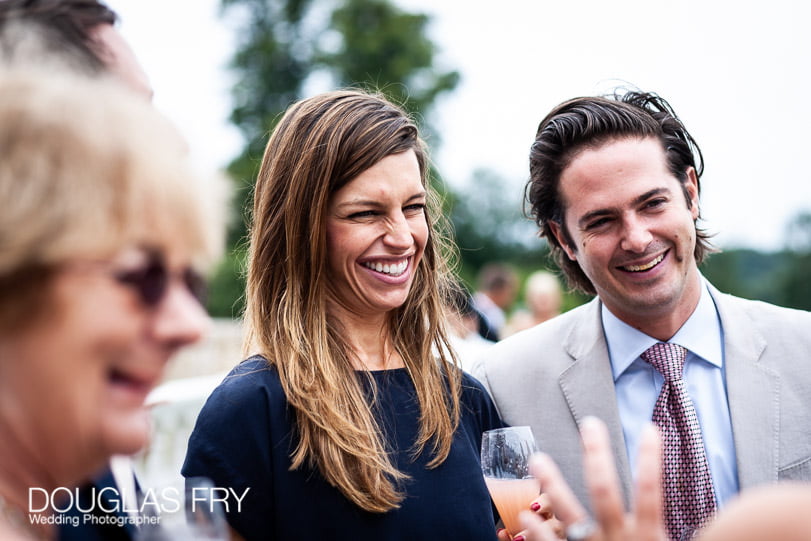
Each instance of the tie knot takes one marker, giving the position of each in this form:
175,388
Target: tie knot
667,358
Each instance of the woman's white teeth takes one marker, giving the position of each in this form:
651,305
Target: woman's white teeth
646,266
395,269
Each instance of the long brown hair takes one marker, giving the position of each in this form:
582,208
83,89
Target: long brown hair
319,145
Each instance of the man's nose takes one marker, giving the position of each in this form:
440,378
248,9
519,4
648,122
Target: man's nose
636,235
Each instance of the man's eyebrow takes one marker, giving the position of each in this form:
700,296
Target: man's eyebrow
651,193
597,213
591,215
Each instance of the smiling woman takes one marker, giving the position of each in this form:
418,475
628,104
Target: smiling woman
352,407
103,230
376,234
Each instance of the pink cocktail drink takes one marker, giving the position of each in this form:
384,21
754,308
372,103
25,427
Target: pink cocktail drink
512,496
505,465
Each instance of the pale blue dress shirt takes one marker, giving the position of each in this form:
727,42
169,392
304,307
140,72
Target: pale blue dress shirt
638,384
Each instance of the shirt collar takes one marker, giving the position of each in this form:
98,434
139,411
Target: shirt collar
700,334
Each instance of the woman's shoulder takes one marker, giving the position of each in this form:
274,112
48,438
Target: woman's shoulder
234,433
477,404
248,401
472,387
253,383
255,372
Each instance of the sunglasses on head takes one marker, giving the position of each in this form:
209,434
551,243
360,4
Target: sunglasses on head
151,280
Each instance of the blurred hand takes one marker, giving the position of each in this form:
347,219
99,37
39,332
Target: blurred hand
542,507
611,522
777,511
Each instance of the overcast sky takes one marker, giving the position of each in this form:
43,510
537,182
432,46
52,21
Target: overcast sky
736,71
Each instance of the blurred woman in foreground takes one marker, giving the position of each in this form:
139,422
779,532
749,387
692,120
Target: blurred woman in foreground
103,233
352,420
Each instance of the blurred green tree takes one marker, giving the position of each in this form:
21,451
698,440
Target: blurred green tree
287,49
747,273
489,224
796,280
779,277
387,48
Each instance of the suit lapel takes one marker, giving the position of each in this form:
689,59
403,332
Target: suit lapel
588,384
752,390
753,396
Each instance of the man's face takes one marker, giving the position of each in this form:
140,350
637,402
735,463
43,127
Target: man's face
120,60
632,231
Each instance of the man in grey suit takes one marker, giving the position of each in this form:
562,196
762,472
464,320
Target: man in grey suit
614,188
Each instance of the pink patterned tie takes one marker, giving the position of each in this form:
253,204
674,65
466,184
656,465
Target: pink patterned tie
687,484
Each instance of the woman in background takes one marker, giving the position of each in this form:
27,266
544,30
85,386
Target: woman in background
103,231
351,421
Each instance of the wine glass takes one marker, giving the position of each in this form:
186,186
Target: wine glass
505,465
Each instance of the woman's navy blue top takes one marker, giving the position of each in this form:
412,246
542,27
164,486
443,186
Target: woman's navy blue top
245,434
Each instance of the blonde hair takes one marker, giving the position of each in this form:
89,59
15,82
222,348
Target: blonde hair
319,145
87,168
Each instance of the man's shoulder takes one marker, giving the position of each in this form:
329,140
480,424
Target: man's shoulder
547,340
763,315
553,330
756,325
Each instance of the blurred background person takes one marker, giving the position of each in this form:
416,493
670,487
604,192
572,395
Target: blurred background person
463,329
79,34
103,233
352,411
497,285
543,297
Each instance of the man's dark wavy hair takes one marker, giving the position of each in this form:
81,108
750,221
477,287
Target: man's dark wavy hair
590,122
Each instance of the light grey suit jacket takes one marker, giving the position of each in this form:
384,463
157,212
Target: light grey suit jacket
551,376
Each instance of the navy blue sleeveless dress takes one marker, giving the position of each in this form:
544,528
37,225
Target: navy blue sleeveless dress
243,440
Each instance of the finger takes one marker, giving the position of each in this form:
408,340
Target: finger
557,526
564,503
542,506
502,535
601,476
535,528
648,499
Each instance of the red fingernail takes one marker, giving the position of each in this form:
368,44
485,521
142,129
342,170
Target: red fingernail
535,506
518,538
